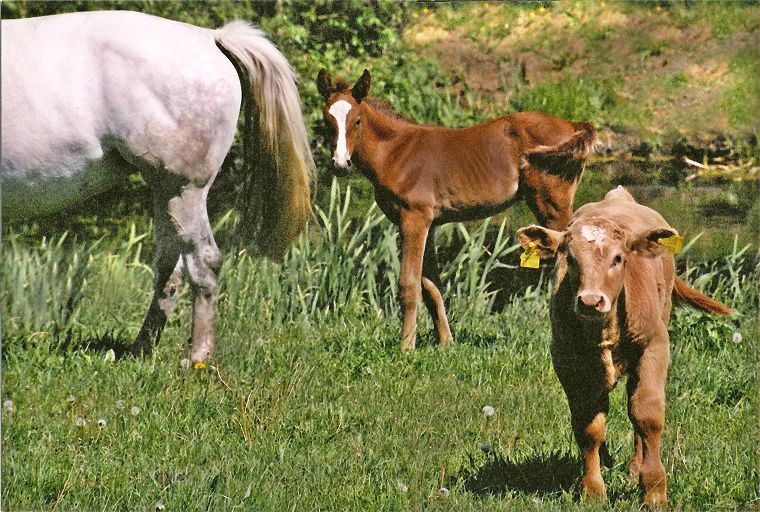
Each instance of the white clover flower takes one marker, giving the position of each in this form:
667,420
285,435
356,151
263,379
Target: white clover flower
8,405
737,337
80,422
134,411
120,404
402,486
488,411
101,423
185,363
443,492
486,447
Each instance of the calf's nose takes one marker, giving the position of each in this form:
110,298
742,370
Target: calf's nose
595,301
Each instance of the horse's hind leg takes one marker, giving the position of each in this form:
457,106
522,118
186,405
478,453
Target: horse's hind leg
167,278
202,263
431,291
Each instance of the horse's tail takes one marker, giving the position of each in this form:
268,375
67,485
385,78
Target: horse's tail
275,197
688,295
566,159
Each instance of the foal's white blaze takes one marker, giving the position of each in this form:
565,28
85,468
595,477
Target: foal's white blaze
339,110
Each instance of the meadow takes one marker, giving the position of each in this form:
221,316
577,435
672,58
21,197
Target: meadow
308,403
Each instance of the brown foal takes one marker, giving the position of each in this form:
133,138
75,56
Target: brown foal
425,176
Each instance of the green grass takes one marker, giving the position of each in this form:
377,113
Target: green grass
741,101
310,405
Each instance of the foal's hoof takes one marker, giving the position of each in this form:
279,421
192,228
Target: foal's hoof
656,499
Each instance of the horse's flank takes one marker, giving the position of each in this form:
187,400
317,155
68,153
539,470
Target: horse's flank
150,94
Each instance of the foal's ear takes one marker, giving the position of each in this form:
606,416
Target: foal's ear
324,84
361,88
544,240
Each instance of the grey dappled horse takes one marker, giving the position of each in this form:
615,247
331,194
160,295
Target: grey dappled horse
88,98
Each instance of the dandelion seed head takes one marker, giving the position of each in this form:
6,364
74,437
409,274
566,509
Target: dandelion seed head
101,423
80,422
737,337
443,492
185,363
402,486
134,411
8,405
160,506
488,411
120,404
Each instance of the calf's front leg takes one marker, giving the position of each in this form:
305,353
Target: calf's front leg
585,385
646,410
414,230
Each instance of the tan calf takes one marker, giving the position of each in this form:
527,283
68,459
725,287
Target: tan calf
609,313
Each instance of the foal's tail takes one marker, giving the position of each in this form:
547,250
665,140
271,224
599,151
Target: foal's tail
566,159
688,295
275,197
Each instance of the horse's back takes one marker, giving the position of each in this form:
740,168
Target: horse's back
77,88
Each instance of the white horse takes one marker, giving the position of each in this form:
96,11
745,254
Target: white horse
88,98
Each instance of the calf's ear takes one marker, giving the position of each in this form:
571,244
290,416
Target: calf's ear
324,84
545,241
648,243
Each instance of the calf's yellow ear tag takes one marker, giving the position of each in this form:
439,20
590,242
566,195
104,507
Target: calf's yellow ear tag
672,243
530,257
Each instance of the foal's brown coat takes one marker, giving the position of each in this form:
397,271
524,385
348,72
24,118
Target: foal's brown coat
610,310
427,175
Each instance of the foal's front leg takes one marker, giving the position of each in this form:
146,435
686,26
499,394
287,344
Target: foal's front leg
414,230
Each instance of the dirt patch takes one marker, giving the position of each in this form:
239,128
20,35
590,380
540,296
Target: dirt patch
669,74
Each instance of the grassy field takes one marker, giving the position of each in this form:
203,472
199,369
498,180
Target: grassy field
309,404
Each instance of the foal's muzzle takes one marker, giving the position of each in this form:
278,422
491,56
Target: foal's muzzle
341,169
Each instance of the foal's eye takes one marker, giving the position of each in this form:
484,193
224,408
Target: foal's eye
617,260
358,122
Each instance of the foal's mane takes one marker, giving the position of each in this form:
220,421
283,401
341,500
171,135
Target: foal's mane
385,107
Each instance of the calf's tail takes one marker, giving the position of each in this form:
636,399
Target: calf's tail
566,159
685,294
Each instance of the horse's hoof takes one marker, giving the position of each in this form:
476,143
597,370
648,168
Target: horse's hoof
200,355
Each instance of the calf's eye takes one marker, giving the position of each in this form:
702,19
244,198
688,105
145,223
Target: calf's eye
617,260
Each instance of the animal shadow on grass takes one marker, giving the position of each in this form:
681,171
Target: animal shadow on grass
120,343
539,474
